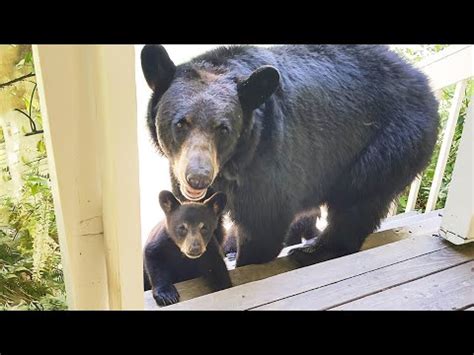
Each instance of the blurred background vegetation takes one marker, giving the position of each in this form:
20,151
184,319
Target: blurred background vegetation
31,275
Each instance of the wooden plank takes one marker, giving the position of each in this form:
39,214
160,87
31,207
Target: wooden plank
364,285
406,219
422,224
399,216
416,227
450,289
458,221
446,144
198,287
449,66
253,294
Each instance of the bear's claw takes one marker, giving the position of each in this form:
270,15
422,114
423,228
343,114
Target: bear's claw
166,296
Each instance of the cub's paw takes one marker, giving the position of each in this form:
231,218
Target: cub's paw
166,295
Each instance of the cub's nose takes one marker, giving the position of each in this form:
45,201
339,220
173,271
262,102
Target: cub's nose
195,250
198,181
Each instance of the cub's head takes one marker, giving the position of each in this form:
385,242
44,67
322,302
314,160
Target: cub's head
191,225
200,110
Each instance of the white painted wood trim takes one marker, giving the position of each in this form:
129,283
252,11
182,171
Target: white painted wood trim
116,113
450,66
449,130
458,219
392,211
87,99
413,195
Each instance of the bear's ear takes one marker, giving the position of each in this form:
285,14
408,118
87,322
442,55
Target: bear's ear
258,87
168,202
157,67
217,202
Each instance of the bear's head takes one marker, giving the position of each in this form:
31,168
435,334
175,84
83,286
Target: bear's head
191,225
200,111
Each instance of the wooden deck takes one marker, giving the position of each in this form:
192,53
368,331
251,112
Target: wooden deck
403,266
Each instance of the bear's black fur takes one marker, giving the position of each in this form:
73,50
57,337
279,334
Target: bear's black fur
303,227
284,129
185,246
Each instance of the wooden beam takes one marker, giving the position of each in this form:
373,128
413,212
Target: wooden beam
88,105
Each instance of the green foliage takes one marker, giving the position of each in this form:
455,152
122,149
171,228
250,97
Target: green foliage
415,55
30,261
31,276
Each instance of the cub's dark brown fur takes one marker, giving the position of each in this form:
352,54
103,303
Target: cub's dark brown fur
184,246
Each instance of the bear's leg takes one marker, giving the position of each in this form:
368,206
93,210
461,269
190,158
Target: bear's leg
348,226
229,246
303,227
262,242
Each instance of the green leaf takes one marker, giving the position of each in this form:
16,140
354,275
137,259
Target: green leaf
41,147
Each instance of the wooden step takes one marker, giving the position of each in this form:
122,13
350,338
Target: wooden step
419,225
364,274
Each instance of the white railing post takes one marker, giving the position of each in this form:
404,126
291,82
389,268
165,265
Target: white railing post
446,144
413,195
458,218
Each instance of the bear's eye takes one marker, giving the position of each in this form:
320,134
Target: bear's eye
182,123
204,229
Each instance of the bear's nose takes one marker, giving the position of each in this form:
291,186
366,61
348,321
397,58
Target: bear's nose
198,181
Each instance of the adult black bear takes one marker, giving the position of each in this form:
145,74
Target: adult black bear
288,128
185,246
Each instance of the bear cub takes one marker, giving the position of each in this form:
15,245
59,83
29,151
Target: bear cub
186,245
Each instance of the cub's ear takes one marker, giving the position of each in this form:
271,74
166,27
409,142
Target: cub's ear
157,67
168,202
217,202
258,87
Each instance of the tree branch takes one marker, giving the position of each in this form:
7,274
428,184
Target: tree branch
11,82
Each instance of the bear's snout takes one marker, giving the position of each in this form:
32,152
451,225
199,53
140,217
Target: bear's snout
199,180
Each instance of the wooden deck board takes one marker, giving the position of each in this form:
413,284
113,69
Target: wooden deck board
254,294
376,281
451,289
403,227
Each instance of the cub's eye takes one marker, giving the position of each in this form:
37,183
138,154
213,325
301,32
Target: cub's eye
204,229
182,230
223,129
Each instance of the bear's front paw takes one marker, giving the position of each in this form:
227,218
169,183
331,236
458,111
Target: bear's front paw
306,255
166,295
